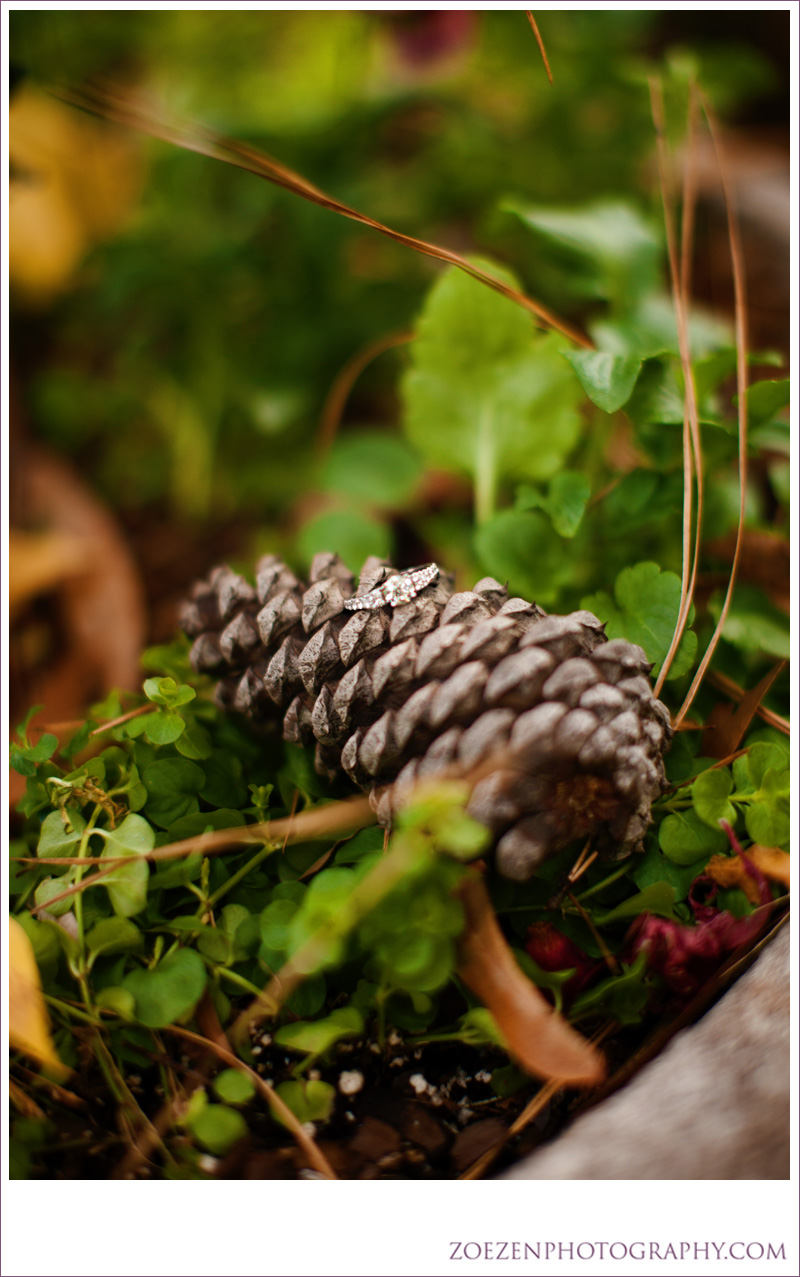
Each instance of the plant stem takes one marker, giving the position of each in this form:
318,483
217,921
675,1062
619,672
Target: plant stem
235,879
485,476
79,872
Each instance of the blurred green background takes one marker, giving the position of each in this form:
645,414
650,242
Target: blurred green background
180,350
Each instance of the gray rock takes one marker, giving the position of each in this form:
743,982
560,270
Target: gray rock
713,1105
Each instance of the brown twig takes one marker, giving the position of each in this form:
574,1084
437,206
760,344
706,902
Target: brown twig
339,392
692,450
737,693
279,1108
127,110
737,260
540,42
353,813
542,1097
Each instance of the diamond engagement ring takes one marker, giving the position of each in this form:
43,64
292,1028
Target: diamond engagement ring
401,588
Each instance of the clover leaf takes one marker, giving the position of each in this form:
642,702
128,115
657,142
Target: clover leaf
644,610
486,395
168,992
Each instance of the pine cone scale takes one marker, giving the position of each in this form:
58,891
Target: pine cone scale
563,719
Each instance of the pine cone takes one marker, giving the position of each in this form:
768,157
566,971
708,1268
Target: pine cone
393,695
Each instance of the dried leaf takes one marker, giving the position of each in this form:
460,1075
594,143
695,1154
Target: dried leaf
731,871
28,1025
726,727
537,1037
772,862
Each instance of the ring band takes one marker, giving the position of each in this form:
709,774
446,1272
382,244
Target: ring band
401,588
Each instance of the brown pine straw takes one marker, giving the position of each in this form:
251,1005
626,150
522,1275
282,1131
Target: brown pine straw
737,693
279,1107
531,1110
132,112
692,450
339,392
336,818
540,43
737,262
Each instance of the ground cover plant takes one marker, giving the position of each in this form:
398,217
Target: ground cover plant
243,973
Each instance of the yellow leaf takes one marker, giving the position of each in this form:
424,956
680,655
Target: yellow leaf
28,1025
772,862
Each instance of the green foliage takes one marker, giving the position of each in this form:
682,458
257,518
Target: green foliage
210,411
169,991
645,610
485,395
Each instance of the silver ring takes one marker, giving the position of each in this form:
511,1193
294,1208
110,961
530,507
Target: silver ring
401,588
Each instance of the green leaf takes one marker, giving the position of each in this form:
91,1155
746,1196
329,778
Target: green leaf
234,1087
486,395
309,997
644,611
170,992
374,467
623,998
163,728
684,838
621,248
710,793
478,1027
172,785
523,548
127,884
607,379
167,692
194,742
223,785
353,534
60,834
48,888
275,922
365,843
654,867
22,728
199,822
765,399
80,740
44,748
218,1127
114,935
120,1001
762,757
309,1101
658,898
565,501
318,1036
768,822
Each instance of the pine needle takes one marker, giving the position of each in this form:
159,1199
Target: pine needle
540,43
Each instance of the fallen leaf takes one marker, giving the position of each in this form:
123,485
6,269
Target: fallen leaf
731,871
725,726
28,1025
538,1038
772,862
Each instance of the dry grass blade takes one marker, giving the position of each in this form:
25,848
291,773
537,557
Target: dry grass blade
316,1158
126,109
732,689
540,42
737,260
531,1110
337,396
537,1037
725,727
692,453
